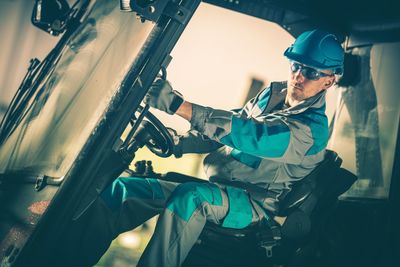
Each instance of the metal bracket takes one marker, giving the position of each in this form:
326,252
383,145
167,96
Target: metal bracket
177,12
40,182
152,10
145,9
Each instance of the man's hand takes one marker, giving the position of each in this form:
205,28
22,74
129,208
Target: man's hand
162,96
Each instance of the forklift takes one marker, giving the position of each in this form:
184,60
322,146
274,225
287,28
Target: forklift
62,137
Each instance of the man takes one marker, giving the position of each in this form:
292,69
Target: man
275,140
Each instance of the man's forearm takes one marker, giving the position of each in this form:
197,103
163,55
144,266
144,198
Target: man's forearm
185,111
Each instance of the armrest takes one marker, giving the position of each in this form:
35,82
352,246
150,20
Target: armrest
317,181
298,194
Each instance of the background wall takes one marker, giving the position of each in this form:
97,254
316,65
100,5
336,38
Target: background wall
19,42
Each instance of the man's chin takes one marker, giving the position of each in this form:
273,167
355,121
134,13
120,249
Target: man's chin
297,97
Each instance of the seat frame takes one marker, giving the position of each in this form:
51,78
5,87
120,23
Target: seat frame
304,210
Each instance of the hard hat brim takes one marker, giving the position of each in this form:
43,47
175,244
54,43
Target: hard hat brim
309,62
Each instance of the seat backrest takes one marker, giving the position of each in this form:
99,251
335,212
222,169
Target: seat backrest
316,193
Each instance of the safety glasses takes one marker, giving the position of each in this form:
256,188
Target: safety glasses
308,72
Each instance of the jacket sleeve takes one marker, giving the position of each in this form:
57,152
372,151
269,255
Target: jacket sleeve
195,142
274,137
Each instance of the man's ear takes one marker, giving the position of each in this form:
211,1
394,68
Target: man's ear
329,82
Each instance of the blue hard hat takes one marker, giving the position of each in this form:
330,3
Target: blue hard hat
318,49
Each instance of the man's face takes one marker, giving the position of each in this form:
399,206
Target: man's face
303,83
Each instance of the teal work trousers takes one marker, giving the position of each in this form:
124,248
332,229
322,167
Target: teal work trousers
183,211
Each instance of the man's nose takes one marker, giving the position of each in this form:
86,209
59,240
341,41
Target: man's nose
298,76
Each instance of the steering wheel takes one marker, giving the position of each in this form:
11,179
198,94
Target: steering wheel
152,133
149,131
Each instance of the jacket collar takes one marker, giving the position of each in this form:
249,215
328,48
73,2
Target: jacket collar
280,91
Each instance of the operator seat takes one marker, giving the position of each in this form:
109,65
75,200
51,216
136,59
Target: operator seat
305,209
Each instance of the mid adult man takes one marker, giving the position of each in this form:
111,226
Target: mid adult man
274,141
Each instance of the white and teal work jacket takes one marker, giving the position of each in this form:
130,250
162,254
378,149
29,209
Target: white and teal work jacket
265,145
